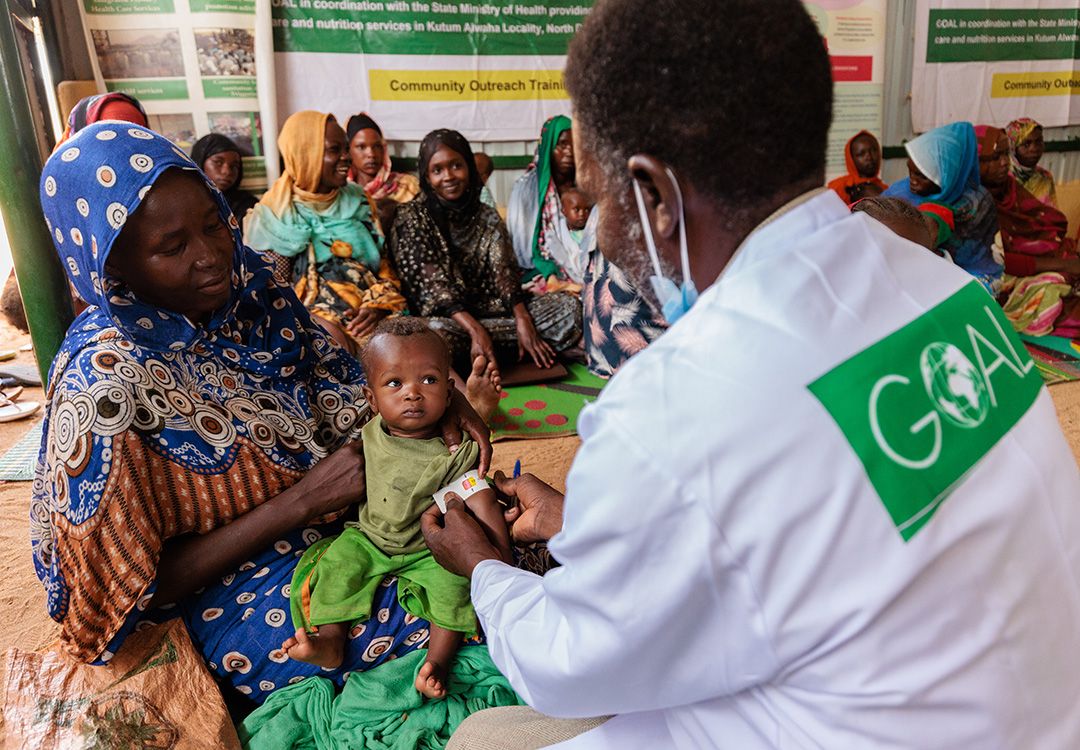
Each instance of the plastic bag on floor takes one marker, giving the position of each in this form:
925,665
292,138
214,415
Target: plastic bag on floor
155,693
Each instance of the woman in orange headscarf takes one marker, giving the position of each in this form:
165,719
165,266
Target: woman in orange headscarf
319,229
862,155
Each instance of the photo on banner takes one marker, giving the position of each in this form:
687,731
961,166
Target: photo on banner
985,61
191,63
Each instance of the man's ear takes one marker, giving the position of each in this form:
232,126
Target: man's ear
369,396
660,194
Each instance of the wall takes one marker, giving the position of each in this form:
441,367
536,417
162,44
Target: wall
899,51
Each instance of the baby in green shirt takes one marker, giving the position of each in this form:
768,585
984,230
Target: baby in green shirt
405,462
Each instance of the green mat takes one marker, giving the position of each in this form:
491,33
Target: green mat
20,462
548,410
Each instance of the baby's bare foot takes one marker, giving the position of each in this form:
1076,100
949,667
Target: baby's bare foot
431,680
483,386
323,651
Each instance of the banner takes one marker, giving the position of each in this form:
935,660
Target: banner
854,31
190,63
492,70
991,62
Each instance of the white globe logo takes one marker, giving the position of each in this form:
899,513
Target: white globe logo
955,386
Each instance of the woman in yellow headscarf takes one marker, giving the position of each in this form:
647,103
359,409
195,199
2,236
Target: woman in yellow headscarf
319,229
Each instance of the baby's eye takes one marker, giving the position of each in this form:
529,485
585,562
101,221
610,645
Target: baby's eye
429,380
393,383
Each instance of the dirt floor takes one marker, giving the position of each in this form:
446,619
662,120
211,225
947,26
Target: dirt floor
23,622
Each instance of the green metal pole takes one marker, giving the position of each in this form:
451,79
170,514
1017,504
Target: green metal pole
42,281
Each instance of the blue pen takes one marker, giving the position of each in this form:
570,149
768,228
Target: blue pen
517,468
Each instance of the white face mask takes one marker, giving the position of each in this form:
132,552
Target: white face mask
674,301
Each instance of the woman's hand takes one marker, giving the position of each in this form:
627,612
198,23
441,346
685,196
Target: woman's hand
336,482
529,341
460,418
481,344
192,561
538,513
363,321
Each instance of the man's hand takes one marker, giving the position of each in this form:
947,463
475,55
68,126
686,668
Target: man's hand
456,540
538,514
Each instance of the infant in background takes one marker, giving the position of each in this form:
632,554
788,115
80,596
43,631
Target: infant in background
576,207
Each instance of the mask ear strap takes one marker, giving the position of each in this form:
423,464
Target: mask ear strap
646,227
684,253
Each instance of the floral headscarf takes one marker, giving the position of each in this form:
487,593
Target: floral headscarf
1037,179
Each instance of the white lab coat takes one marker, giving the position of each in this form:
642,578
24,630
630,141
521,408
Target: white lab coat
731,578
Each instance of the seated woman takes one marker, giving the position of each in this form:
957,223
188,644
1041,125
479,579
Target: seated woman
372,170
458,269
543,243
943,167
862,156
199,428
619,323
1027,146
219,158
1041,262
98,107
321,229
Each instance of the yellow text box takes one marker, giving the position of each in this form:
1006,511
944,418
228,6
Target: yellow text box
465,85
1064,83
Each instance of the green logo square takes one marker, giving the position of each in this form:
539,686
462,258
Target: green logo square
922,406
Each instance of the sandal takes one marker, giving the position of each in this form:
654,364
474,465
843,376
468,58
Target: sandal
12,394
11,411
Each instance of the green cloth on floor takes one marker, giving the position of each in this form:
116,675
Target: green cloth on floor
336,579
379,709
548,409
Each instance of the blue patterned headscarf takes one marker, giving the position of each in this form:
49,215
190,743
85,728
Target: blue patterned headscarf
949,156
139,394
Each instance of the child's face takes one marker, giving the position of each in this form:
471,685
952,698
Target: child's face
576,210
920,183
1031,149
409,383
864,152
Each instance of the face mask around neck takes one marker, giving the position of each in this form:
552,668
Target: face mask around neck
675,301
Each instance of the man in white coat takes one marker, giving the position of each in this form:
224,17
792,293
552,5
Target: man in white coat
832,506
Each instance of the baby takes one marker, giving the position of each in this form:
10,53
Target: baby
576,208
406,462
929,225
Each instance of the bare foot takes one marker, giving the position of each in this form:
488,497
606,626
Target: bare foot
431,680
483,387
323,649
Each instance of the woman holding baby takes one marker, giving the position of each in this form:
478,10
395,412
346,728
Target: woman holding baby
201,428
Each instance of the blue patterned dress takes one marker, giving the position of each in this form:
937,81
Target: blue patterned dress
156,428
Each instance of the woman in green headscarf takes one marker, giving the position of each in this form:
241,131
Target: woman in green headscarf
551,254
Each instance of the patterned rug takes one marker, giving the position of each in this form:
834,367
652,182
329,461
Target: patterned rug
547,410
1058,359
19,463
